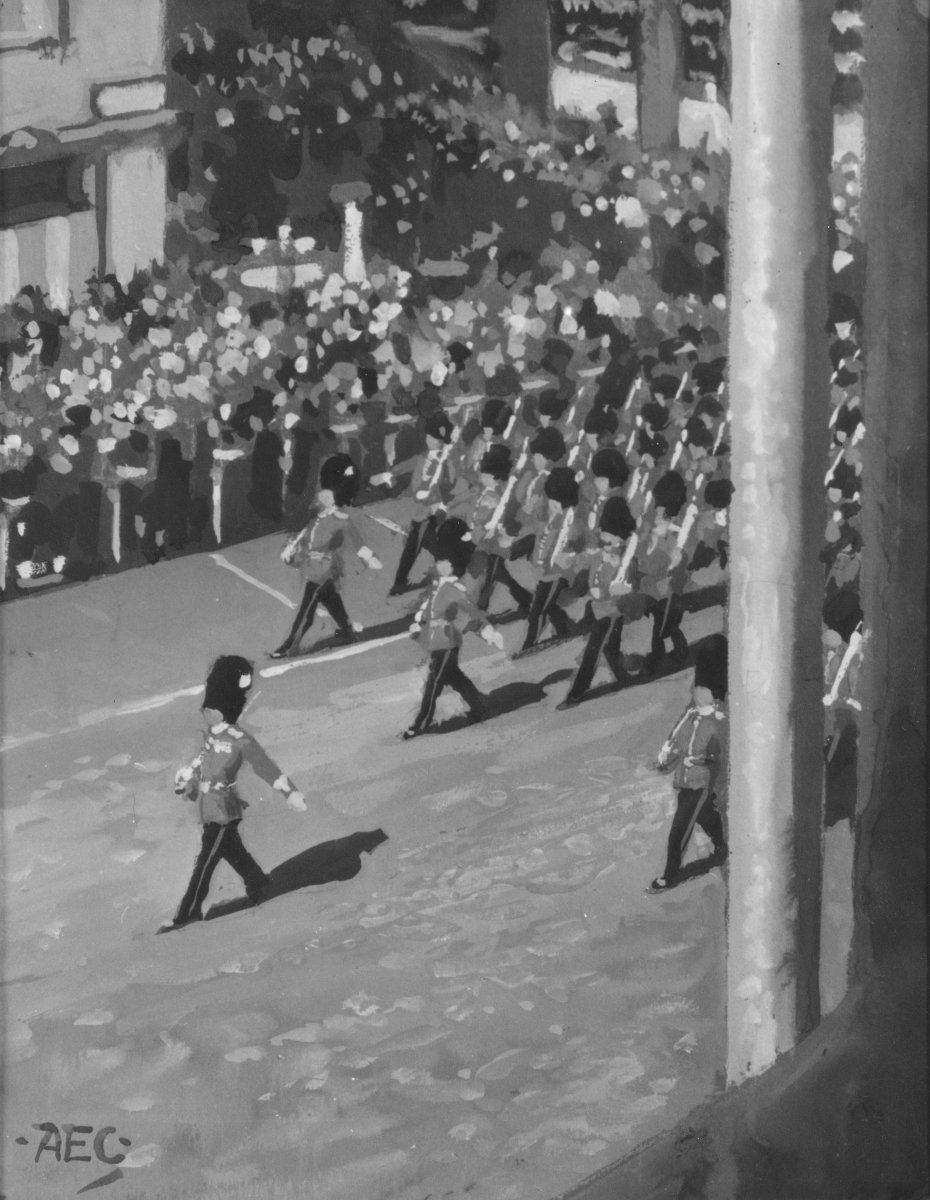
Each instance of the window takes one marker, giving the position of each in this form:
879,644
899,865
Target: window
25,22
36,191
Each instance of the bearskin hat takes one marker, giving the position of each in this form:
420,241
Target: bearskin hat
14,485
710,665
608,463
551,404
453,542
504,382
438,426
848,419
708,376
561,485
719,492
494,415
496,461
698,433
616,518
549,443
601,420
654,415
843,612
339,475
556,352
670,493
228,683
666,386
709,406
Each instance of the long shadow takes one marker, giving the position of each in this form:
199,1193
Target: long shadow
694,870
369,634
328,862
506,699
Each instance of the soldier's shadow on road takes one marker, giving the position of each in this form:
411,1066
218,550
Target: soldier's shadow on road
329,862
505,699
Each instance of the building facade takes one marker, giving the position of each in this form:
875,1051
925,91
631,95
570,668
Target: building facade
83,132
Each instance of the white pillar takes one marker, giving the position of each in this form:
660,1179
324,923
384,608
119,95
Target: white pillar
136,209
779,400
58,261
9,265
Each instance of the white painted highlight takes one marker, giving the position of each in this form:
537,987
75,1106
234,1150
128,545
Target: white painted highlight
121,99
58,261
332,655
9,265
582,92
353,268
222,561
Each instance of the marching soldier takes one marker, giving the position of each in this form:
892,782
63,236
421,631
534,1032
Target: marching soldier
434,484
319,551
551,408
446,615
712,526
609,474
693,750
612,598
496,416
662,573
490,518
561,535
26,535
546,450
651,446
210,782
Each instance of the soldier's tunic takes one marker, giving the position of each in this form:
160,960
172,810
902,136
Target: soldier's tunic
694,750
662,583
435,486
319,552
210,782
494,542
553,572
439,628
611,603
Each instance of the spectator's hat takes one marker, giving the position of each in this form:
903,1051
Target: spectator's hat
608,463
228,683
459,353
551,404
601,421
562,486
496,461
616,518
494,415
670,493
549,443
654,414
719,492
339,475
439,426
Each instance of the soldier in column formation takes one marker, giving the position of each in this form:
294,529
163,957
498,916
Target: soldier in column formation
27,556
319,551
607,476
496,417
662,574
491,518
210,782
613,597
447,613
559,536
546,450
435,483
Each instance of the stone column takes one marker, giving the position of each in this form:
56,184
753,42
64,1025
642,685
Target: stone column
660,74
779,398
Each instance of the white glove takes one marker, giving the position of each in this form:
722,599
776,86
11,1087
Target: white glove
493,636
374,563
422,494
297,802
58,563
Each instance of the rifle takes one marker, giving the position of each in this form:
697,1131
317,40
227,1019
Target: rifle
508,428
690,516
679,447
627,560
563,533
852,650
442,460
719,438
498,514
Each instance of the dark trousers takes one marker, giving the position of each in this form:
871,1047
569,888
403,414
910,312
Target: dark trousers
695,807
444,670
420,536
667,615
496,572
219,842
315,594
545,607
603,638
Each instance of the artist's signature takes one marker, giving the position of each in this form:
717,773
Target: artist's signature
68,1143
